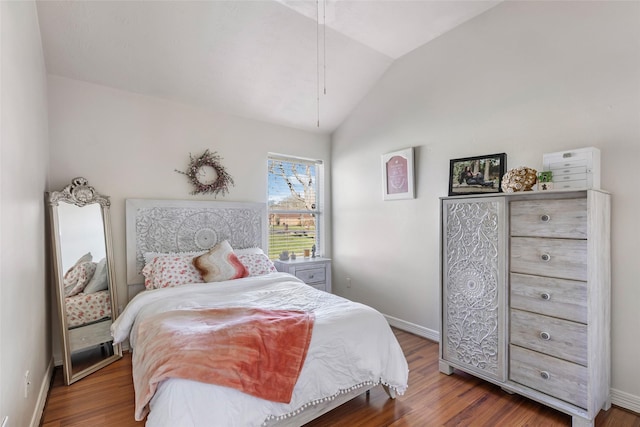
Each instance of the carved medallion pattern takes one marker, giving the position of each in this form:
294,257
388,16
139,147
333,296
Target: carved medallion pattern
472,284
172,229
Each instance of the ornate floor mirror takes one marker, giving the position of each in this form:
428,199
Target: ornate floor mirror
84,277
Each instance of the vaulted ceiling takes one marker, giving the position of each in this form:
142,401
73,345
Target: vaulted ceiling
267,60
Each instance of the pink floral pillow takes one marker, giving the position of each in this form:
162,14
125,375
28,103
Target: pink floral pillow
219,264
257,264
77,277
167,271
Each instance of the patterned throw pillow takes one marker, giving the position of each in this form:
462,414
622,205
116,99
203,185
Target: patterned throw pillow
220,263
168,271
77,277
257,264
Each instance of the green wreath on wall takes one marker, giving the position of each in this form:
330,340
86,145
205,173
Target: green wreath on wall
207,175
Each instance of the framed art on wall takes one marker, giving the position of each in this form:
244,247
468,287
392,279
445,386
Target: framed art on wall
397,175
477,175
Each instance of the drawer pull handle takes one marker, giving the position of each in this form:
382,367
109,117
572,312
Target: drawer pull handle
545,296
545,375
545,218
545,336
545,257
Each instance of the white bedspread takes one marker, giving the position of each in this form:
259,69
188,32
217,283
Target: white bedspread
352,344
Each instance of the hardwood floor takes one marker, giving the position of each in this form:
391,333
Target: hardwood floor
433,399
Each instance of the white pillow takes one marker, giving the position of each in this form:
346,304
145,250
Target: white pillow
99,280
248,251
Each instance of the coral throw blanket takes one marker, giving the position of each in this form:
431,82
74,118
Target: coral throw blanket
259,352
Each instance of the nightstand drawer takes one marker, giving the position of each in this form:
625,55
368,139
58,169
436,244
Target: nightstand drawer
312,271
555,337
556,377
312,275
549,218
561,258
319,286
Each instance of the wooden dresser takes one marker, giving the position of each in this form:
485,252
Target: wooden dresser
526,295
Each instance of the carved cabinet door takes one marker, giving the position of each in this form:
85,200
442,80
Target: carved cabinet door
473,307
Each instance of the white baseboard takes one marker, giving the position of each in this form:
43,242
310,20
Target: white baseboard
619,398
421,331
625,400
42,395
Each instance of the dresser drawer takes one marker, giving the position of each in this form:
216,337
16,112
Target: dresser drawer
555,337
566,299
562,258
312,275
565,380
566,218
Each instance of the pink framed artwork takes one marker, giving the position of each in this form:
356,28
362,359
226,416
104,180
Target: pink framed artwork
397,175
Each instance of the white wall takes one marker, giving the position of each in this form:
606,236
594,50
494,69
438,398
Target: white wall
24,291
129,146
524,78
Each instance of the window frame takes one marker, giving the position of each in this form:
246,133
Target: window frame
320,198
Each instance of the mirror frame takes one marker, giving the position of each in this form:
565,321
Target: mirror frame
79,193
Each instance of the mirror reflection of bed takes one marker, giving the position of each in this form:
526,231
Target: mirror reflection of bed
80,232
87,300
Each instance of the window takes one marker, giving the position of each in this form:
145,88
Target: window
295,214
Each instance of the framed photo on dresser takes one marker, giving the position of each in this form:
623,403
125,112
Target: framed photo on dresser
477,175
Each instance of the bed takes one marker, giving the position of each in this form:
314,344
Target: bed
349,348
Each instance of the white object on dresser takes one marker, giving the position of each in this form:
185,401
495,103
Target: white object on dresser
314,272
526,295
574,169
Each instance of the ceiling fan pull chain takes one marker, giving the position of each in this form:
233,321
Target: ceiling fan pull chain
318,62
324,41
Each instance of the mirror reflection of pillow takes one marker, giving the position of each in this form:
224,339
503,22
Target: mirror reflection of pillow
78,277
67,276
99,280
220,263
71,276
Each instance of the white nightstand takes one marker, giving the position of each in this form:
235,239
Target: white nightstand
314,272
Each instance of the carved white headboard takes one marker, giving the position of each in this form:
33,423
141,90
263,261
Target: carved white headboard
185,226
